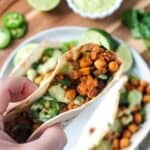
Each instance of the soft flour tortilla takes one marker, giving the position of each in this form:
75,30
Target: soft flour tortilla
34,56
98,124
43,89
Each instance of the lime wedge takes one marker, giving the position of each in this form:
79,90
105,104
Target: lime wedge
125,54
44,5
24,52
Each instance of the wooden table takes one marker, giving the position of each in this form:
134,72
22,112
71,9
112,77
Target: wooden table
63,15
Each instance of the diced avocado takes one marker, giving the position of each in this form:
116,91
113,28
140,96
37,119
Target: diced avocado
50,63
65,68
31,74
134,98
103,145
116,126
58,92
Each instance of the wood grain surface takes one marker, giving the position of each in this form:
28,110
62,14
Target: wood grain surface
63,15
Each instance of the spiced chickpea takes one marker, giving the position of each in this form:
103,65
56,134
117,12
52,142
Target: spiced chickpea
75,74
70,94
137,118
94,53
127,133
143,83
100,64
146,98
115,143
82,88
37,80
85,62
113,66
124,142
85,70
148,89
133,128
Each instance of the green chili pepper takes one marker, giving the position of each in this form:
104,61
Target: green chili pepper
13,20
19,32
45,109
5,37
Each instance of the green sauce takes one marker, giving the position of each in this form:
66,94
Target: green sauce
94,6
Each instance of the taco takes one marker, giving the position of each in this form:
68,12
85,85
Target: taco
40,61
82,75
131,114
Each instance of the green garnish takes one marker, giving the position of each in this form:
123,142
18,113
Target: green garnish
143,113
48,52
139,23
67,45
134,98
123,98
45,109
35,65
65,82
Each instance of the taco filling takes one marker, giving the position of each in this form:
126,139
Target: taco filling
42,69
130,116
77,81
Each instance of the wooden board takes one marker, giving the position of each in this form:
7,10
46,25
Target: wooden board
63,15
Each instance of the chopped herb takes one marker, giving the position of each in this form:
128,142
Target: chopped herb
67,45
65,82
123,98
35,65
48,52
143,113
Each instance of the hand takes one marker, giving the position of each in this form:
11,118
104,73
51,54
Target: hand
14,90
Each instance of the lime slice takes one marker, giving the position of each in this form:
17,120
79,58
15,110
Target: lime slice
24,52
44,5
95,37
125,54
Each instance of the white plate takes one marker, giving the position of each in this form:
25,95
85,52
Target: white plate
73,32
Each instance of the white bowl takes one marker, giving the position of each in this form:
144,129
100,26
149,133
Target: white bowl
94,15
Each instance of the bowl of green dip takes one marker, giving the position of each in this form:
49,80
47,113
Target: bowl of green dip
94,9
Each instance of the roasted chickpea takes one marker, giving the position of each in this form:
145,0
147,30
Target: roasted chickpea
82,88
143,83
134,82
75,74
137,118
85,62
127,133
115,143
124,142
70,94
100,64
113,66
37,80
85,71
146,98
92,92
133,128
148,89
94,53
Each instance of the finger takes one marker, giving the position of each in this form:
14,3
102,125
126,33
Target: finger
5,137
53,138
14,89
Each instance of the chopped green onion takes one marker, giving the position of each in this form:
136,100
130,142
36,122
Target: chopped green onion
103,77
65,82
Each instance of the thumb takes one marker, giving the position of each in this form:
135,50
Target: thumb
53,138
